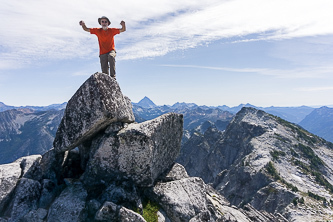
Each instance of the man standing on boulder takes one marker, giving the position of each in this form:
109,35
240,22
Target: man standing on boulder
107,51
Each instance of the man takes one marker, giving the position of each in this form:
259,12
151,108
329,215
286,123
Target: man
107,51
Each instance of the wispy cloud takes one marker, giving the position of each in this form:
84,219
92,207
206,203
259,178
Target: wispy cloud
297,73
315,89
35,30
268,20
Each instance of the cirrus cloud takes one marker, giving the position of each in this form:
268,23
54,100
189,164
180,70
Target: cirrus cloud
36,30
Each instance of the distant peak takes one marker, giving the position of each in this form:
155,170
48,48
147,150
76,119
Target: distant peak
146,103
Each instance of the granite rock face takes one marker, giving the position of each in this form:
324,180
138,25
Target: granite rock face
140,152
95,105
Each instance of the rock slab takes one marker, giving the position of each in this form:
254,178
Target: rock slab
95,105
141,152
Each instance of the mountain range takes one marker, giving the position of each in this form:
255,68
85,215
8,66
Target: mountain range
320,122
31,129
192,163
25,132
291,114
151,110
106,167
4,107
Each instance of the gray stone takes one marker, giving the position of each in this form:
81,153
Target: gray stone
32,216
126,215
108,212
88,148
95,105
30,166
10,175
24,199
42,213
115,128
148,149
140,152
35,216
101,166
51,165
177,172
181,199
124,194
49,192
202,216
92,207
162,216
70,205
113,212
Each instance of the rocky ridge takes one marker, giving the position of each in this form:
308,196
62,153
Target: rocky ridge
38,125
106,167
267,162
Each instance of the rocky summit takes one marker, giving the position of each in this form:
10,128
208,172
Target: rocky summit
266,162
106,167
96,104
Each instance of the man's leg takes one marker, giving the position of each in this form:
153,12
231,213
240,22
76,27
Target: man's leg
104,63
112,61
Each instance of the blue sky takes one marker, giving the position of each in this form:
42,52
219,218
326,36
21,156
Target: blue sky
212,52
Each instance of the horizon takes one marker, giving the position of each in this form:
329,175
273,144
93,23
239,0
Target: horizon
267,53
242,104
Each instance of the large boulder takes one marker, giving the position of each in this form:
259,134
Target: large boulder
181,199
112,212
9,176
177,172
11,173
140,151
148,149
95,105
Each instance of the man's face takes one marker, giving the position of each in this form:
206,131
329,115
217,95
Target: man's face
104,23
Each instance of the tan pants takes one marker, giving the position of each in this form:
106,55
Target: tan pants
108,60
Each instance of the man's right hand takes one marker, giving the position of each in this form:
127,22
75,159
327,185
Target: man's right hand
84,27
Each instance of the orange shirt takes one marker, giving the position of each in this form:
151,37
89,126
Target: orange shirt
105,38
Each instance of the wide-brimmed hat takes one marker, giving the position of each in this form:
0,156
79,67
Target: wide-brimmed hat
103,17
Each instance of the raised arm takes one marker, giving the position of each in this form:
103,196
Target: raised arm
84,27
123,26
